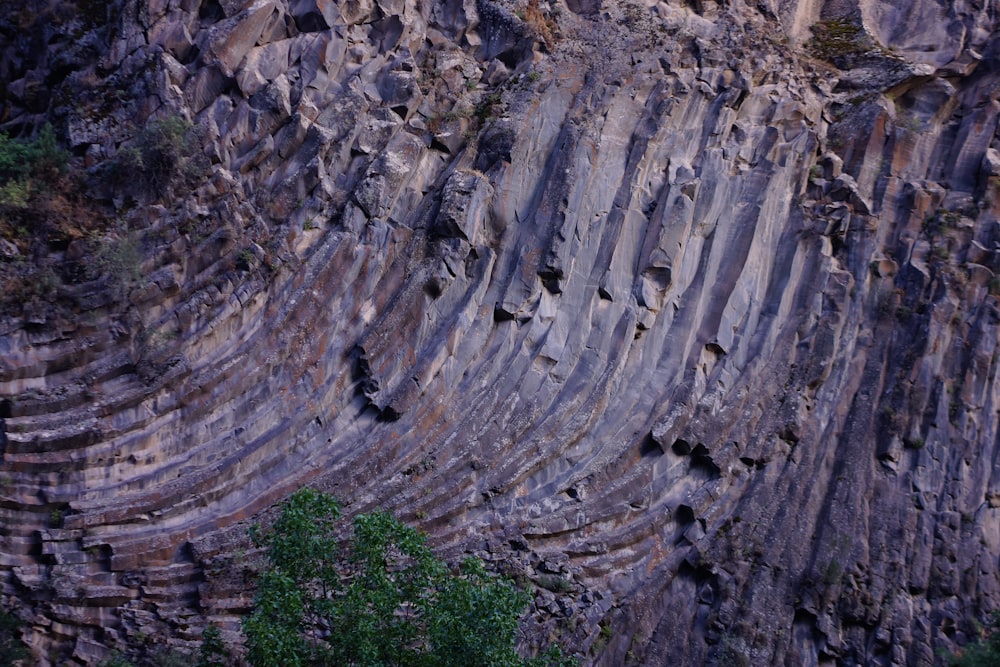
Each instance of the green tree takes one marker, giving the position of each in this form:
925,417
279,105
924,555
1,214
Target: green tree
383,600
985,652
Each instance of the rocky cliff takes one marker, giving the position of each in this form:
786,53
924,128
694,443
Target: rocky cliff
684,314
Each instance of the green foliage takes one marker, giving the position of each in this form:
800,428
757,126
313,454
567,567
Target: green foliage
390,595
27,166
275,628
40,156
475,618
12,648
300,541
14,157
983,653
120,259
486,108
45,157
553,656
603,637
384,600
302,555
16,193
162,150
212,652
554,583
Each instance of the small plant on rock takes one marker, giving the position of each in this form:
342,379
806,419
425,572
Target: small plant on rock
120,260
212,652
837,39
163,150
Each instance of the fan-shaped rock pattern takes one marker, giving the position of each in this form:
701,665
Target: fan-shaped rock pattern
645,303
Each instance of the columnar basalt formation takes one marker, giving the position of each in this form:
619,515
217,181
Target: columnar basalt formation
683,314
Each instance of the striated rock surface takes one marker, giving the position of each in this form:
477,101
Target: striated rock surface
684,314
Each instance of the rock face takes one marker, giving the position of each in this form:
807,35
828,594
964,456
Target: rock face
685,314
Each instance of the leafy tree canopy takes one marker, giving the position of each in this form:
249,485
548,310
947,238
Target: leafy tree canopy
384,600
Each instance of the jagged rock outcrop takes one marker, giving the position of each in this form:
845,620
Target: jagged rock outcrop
685,314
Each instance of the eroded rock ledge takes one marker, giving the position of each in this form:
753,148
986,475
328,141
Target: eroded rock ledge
680,316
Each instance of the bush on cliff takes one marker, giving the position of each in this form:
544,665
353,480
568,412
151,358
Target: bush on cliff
985,652
383,599
12,648
164,150
27,166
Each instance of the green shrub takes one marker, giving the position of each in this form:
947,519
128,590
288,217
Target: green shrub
16,193
12,648
28,166
554,583
46,157
14,157
163,150
212,652
384,599
982,653
120,259
604,635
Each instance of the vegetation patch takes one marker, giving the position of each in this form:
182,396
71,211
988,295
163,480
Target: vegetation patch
12,648
43,208
554,583
163,151
544,26
835,40
382,598
119,259
985,652
29,166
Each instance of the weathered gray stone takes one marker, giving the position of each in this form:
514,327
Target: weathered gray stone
230,41
388,174
262,65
